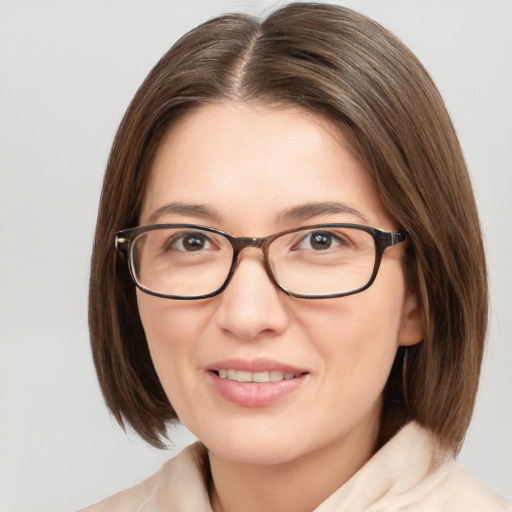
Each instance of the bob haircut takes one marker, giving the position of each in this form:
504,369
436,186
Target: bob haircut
335,63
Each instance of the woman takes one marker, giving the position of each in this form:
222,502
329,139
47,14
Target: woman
298,274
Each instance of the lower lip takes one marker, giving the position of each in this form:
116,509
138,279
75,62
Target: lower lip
254,394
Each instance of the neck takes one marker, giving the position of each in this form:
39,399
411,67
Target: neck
299,485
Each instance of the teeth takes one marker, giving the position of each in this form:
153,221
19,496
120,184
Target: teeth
261,377
242,376
276,376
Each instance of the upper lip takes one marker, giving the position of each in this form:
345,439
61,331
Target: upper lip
255,365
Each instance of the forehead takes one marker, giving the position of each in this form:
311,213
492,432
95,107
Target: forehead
248,162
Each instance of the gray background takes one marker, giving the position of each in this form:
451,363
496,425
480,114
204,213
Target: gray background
67,71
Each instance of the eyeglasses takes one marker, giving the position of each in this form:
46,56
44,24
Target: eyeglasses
186,261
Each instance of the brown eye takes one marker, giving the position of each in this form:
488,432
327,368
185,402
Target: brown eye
189,242
194,242
320,240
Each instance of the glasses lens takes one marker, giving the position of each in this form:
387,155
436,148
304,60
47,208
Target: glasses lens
323,261
179,261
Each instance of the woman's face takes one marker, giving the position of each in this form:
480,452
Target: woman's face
243,169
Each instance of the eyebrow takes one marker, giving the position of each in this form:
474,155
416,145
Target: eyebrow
296,213
309,210
185,210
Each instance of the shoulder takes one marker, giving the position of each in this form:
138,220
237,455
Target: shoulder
414,473
460,490
180,481
442,484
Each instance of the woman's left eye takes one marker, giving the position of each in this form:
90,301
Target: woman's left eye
321,241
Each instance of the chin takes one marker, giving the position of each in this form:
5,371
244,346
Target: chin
255,452
247,442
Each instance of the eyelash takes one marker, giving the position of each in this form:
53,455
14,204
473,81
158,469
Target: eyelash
340,239
180,237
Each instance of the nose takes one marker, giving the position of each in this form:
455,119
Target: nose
251,306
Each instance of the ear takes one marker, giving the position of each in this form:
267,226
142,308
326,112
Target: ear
411,330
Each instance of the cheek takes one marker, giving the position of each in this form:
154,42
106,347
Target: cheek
170,329
357,336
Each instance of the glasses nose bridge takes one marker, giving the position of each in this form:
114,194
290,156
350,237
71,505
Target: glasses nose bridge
244,242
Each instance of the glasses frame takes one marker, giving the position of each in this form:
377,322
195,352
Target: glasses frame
383,239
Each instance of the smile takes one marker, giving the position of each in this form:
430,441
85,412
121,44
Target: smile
260,377
255,383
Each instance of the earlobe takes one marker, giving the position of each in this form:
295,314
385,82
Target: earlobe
411,330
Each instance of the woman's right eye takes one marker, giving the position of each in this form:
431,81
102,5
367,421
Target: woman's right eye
189,242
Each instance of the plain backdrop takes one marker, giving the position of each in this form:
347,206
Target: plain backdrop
67,71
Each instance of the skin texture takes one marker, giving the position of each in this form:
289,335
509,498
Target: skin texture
248,164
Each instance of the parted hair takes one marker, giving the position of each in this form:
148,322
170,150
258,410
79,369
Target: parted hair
336,63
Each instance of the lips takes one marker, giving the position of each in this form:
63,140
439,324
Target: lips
256,383
266,376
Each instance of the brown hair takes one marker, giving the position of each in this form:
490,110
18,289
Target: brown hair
342,65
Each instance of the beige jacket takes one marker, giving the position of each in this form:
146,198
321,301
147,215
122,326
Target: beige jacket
410,473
